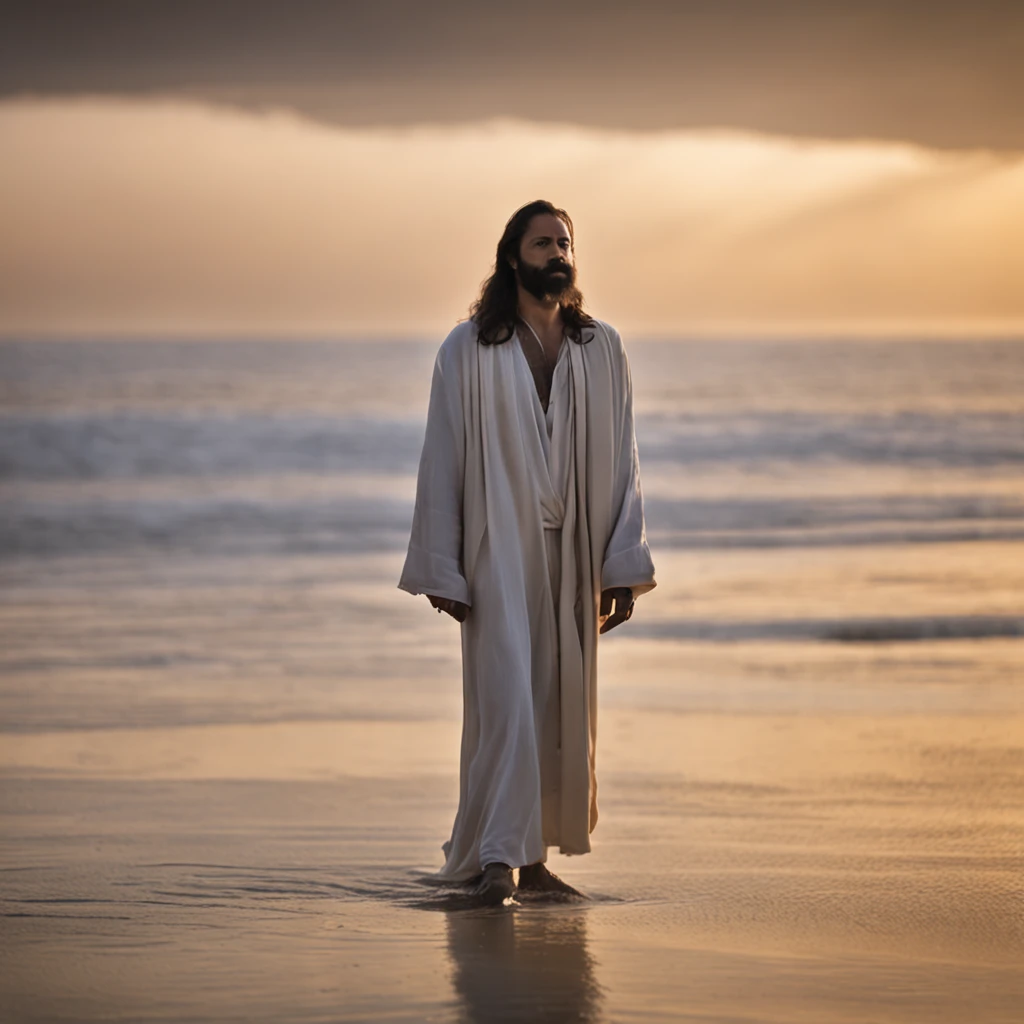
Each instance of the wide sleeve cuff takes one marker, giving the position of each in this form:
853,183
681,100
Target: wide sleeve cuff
426,572
631,568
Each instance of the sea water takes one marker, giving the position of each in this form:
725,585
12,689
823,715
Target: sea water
200,531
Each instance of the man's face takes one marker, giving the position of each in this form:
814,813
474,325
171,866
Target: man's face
546,266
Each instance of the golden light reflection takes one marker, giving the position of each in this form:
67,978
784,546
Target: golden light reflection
523,967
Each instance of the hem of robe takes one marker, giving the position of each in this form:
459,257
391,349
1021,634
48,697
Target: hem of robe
465,872
471,867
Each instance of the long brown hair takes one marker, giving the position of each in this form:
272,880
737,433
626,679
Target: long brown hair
496,311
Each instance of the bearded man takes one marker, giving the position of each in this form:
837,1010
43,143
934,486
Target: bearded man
529,530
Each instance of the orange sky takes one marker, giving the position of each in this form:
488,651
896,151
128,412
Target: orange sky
164,216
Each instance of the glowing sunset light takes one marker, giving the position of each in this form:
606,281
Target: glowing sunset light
167,216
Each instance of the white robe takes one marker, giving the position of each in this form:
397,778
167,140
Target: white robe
526,518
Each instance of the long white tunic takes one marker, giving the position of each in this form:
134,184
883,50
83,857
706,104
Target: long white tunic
526,517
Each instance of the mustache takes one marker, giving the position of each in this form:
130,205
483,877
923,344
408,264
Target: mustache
554,278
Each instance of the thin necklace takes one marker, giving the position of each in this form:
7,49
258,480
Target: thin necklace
543,350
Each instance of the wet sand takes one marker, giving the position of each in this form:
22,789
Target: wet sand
747,867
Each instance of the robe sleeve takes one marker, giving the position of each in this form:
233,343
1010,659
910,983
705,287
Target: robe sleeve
433,564
627,558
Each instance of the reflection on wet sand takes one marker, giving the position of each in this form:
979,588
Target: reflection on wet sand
523,965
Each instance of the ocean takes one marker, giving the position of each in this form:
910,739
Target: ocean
233,510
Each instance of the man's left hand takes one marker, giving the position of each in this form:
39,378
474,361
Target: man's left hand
622,599
456,609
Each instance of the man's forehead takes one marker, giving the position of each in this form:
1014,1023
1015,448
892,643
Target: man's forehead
547,225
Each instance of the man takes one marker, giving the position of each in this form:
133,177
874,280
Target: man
529,530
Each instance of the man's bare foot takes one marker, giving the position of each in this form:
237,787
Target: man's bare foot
537,878
496,884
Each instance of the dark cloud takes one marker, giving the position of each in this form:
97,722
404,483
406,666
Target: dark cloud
940,73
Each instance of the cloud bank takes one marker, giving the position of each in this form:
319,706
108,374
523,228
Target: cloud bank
941,73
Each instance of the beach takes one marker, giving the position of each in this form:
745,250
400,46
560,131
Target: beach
759,867
229,744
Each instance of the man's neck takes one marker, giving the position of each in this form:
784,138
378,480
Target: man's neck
544,316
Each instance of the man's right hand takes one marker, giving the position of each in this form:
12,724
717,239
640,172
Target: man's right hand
456,609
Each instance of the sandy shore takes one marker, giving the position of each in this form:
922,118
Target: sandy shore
747,867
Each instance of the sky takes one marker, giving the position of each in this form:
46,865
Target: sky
339,169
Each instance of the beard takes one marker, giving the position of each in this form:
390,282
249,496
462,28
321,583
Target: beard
548,282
